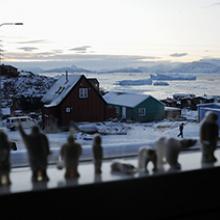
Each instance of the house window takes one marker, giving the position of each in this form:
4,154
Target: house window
83,93
141,111
117,109
68,110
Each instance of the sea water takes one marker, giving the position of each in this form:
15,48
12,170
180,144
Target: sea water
205,84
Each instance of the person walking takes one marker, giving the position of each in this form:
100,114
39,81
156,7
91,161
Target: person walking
181,126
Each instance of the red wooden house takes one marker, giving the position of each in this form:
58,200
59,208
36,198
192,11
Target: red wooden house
74,99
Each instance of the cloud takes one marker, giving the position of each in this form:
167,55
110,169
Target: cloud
28,49
82,49
178,54
90,61
58,51
215,4
32,42
43,56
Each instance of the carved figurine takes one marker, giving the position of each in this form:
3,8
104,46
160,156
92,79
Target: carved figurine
5,166
38,150
70,153
122,167
168,150
97,153
209,132
145,156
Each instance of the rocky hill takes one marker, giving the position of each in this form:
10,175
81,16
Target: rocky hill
26,85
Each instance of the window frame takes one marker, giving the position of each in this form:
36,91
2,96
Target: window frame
83,92
140,113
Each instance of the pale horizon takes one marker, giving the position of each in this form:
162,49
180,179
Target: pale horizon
146,30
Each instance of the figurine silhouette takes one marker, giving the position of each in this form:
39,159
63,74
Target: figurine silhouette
122,167
168,150
97,153
145,156
5,166
70,153
209,132
38,150
181,126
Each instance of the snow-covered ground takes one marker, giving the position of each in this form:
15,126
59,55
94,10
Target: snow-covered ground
116,143
122,133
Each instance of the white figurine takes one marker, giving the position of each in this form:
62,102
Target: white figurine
168,150
146,155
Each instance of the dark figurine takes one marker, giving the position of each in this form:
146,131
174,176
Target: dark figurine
145,156
38,150
209,132
5,166
70,154
181,126
97,154
122,167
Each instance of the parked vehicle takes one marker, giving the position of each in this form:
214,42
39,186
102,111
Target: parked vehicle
25,121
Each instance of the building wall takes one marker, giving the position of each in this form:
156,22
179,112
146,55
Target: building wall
154,110
89,109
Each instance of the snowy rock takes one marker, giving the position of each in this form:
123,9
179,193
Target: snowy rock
25,85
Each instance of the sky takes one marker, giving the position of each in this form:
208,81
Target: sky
89,30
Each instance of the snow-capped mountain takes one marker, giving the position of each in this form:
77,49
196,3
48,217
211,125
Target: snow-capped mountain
70,69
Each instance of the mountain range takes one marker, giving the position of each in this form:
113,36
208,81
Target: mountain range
201,66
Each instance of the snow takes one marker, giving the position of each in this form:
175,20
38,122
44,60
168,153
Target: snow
190,115
172,109
34,86
124,99
103,128
114,141
5,111
135,82
160,83
59,90
172,77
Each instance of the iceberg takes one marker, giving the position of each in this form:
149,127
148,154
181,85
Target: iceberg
139,82
171,77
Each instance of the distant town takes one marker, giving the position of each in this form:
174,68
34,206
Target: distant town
58,103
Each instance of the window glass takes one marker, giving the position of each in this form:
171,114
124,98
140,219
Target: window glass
141,111
83,93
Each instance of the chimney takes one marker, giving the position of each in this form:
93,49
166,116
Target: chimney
67,76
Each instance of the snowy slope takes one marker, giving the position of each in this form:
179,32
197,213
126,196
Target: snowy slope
25,85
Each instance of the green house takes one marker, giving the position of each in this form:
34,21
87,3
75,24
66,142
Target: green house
135,107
